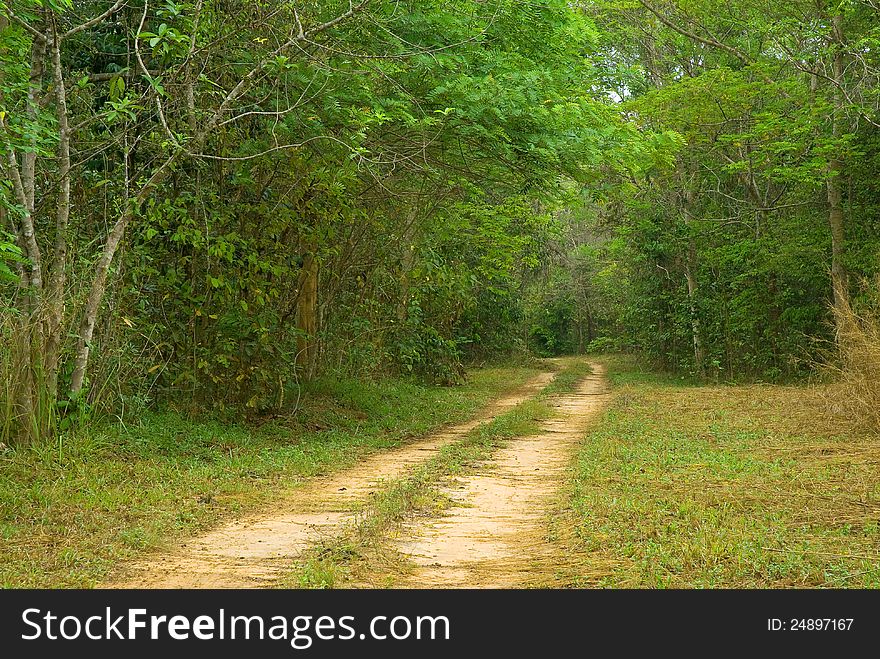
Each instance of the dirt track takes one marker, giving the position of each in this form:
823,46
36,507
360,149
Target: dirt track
254,551
495,537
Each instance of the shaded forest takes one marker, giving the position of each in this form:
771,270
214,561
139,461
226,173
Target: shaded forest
206,204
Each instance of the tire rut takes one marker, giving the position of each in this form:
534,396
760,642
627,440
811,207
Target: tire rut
494,536
256,550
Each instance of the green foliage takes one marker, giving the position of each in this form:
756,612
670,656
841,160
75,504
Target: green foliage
9,253
463,180
230,313
713,256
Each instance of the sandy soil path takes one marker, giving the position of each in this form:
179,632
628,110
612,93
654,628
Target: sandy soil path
254,551
496,536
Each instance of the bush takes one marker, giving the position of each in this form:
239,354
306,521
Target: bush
603,344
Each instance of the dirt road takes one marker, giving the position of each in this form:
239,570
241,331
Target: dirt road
255,551
496,536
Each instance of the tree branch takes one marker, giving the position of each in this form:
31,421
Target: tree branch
741,56
273,149
119,4
245,82
34,32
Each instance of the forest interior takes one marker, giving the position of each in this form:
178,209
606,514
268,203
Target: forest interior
439,293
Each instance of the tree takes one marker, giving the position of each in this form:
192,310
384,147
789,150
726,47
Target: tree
250,170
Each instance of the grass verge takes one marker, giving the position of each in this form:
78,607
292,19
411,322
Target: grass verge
722,487
70,511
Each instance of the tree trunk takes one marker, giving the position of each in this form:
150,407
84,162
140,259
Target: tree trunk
836,218
407,260
690,203
591,332
307,316
699,353
580,334
35,88
839,275
58,276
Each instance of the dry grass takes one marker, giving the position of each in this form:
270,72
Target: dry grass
856,367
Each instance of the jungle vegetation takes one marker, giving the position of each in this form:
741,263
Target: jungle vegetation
205,205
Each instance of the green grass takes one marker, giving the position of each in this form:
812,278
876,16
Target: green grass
722,486
566,380
70,511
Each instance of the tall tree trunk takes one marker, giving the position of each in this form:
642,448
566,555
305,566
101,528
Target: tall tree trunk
591,332
307,316
839,275
836,218
407,261
696,330
579,325
58,276
690,206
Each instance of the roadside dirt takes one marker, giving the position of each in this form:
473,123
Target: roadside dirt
496,535
254,551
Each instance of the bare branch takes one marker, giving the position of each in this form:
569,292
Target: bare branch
795,62
249,77
119,4
280,113
352,10
127,75
745,59
741,56
280,147
137,52
299,26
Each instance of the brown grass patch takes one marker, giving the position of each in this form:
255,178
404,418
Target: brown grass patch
855,366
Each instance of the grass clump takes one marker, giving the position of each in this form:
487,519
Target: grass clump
855,366
567,379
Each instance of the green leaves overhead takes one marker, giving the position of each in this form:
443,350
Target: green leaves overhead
407,159
751,182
